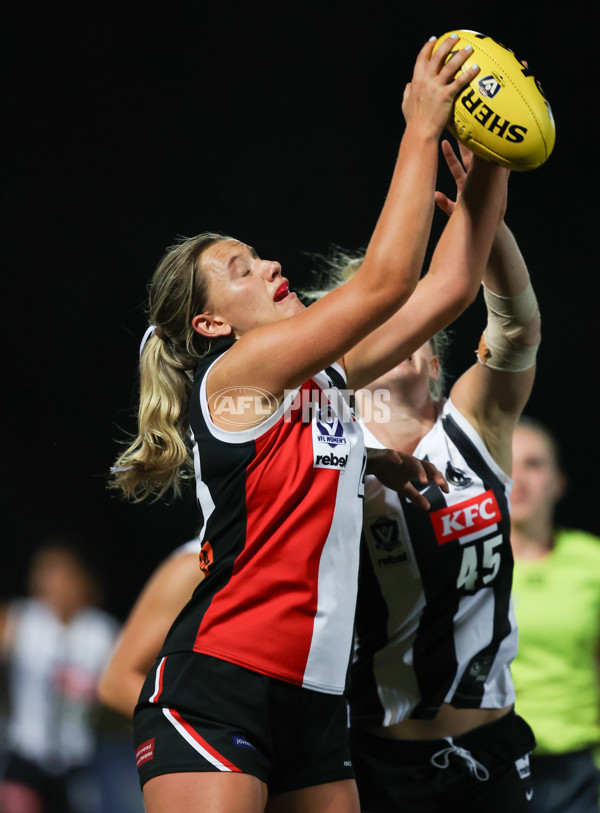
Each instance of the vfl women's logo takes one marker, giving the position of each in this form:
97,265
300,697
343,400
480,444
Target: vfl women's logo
386,545
328,430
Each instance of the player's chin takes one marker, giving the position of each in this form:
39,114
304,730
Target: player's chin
290,305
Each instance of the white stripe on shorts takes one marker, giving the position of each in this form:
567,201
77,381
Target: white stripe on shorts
208,755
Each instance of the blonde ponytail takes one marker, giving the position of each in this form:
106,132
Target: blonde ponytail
158,459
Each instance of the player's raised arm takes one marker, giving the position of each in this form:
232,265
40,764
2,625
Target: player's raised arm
451,282
283,353
493,392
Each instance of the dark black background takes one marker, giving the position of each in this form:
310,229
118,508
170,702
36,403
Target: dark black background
126,125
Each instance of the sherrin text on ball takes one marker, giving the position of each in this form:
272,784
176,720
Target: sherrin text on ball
502,114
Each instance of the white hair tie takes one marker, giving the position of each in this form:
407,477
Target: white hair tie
150,331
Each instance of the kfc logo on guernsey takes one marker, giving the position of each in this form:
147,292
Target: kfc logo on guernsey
329,441
466,520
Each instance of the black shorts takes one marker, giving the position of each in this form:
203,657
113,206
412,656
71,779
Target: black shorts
563,782
198,713
51,788
486,769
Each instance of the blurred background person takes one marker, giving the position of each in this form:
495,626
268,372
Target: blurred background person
556,590
54,644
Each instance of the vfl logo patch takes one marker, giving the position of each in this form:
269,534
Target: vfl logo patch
330,429
144,752
472,516
385,536
489,86
385,533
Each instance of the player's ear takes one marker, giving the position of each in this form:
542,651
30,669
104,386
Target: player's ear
434,368
210,325
560,485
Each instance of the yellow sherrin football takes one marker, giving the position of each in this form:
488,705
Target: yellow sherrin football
502,114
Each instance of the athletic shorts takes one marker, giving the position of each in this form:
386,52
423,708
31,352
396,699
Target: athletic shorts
198,713
565,782
51,788
486,769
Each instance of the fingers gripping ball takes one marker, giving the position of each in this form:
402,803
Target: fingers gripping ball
501,115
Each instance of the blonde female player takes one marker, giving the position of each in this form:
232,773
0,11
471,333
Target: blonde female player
245,700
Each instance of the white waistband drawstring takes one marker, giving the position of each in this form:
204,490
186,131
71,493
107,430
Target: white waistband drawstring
441,759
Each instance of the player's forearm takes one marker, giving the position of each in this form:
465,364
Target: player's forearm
458,262
396,251
506,272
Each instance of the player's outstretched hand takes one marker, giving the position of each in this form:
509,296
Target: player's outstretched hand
401,472
460,166
428,97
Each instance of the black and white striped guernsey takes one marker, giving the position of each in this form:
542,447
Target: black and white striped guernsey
435,621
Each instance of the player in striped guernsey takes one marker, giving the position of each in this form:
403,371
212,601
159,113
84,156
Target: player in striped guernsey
433,726
246,698
54,644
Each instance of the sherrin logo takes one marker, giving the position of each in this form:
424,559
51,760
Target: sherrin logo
485,115
462,520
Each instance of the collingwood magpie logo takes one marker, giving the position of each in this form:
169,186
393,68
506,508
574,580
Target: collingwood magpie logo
457,477
479,668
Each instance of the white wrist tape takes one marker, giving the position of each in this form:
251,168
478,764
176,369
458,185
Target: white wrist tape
501,346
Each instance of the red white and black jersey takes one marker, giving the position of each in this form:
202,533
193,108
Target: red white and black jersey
281,506
435,621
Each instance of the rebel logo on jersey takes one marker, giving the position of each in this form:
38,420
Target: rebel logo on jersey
478,515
